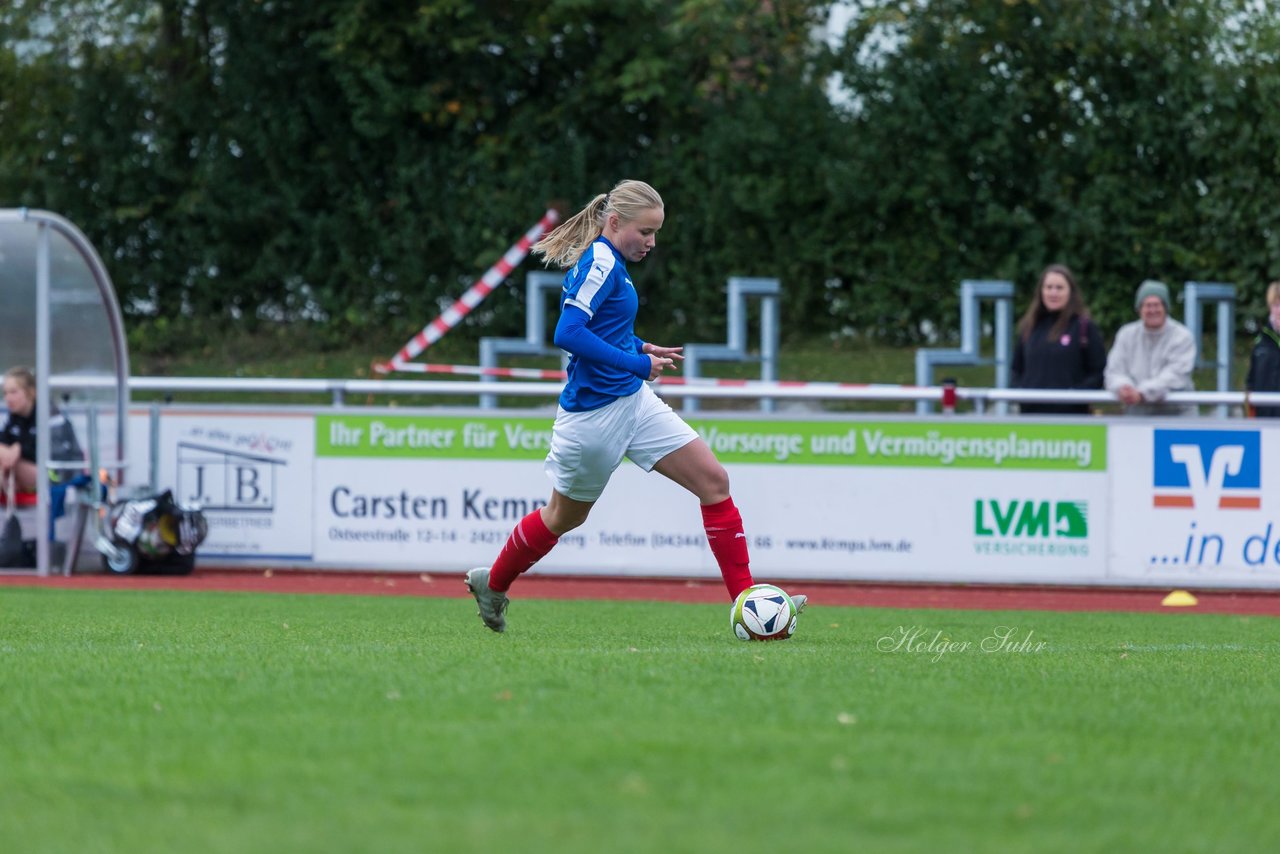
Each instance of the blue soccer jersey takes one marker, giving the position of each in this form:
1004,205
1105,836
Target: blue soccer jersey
597,327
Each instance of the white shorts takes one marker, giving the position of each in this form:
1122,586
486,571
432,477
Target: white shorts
586,447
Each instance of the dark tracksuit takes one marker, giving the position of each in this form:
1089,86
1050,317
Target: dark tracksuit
1073,359
21,430
1264,366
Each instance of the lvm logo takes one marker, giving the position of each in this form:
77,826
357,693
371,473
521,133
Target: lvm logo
1207,469
1043,519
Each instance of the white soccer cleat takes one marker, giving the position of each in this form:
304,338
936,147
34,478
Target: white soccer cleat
799,600
492,604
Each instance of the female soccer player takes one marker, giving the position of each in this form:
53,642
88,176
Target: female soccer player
606,411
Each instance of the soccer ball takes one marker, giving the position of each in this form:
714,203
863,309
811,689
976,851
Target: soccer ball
763,612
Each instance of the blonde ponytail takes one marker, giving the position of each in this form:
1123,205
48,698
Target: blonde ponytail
566,243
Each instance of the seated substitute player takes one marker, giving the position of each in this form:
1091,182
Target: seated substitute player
606,410
18,433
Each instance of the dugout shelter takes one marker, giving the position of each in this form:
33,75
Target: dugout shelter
59,315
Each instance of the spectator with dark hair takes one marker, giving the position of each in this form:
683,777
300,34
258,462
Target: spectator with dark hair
1152,356
1058,346
1264,361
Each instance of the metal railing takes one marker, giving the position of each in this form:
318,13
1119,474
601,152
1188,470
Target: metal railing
341,391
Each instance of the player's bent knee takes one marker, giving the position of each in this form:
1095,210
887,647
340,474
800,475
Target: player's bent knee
713,486
561,517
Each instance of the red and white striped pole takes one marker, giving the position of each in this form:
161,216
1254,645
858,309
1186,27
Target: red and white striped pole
436,329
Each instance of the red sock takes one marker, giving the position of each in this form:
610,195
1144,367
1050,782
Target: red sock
729,544
529,543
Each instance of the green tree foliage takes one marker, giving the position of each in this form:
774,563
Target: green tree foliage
356,164
1119,137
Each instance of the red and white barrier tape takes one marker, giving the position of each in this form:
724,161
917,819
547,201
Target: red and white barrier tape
477,371
436,329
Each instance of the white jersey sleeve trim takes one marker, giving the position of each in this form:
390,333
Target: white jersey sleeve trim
602,261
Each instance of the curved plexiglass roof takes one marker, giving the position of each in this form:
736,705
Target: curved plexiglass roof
85,340
87,359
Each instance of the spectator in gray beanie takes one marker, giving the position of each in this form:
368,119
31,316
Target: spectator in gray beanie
1151,357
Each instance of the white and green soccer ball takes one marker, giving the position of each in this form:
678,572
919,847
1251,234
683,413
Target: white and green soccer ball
763,612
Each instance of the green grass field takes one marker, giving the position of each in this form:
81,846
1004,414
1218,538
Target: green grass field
170,721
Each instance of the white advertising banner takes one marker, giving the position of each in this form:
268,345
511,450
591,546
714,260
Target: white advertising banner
249,471
1184,502
1196,504
831,498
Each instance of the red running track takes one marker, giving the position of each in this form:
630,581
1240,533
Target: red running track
855,594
